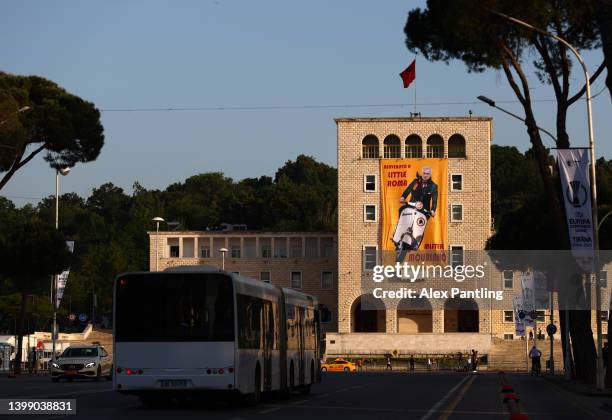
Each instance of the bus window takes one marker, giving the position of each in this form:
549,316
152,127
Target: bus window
249,310
174,307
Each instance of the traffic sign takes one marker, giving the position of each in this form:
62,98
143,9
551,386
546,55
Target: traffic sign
72,317
551,329
83,317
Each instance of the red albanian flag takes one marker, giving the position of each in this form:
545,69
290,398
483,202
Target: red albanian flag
409,74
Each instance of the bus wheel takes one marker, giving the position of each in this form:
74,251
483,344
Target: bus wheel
255,397
305,390
257,392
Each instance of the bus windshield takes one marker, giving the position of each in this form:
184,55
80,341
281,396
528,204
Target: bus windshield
174,307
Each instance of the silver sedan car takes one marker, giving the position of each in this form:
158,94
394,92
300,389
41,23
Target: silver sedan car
92,362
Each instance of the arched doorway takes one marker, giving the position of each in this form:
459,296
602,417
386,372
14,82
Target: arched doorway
368,315
414,316
461,315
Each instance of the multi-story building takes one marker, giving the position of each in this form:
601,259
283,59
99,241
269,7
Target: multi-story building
306,261
463,144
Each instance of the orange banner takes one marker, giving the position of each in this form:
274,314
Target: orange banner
413,209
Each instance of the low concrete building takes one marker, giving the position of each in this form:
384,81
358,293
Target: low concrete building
305,261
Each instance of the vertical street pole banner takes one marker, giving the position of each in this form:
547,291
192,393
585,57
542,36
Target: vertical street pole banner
62,279
413,205
519,326
576,187
528,292
542,295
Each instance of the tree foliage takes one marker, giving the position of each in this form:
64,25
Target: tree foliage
64,126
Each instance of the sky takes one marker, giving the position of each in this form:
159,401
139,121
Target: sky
244,53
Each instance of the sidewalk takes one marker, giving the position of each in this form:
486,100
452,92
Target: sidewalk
587,396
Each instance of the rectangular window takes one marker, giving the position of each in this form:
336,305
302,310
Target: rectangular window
603,279
541,316
369,257
235,251
296,279
265,276
508,276
603,315
369,213
204,252
457,213
369,183
508,336
508,316
456,182
456,255
174,251
327,281
266,251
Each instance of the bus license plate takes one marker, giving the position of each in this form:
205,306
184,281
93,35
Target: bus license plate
173,383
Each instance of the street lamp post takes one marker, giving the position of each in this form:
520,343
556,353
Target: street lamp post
59,171
223,251
157,221
599,373
491,103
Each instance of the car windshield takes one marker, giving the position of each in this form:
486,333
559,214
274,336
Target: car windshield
80,352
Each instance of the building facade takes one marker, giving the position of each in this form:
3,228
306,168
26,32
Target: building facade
463,145
305,261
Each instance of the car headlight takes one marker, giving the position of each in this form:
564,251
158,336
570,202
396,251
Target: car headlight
92,364
55,365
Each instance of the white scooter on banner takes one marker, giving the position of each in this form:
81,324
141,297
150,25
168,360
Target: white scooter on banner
410,228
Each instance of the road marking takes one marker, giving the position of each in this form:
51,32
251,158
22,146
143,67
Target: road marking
449,408
270,410
439,404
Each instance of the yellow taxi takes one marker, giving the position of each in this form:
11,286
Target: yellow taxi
339,365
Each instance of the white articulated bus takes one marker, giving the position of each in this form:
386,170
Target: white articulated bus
197,329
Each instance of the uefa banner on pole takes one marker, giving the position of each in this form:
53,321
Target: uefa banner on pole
62,279
413,204
576,187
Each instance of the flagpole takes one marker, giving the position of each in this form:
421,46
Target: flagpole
415,93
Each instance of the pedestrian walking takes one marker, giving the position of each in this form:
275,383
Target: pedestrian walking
468,365
535,355
474,360
412,362
359,365
389,367
428,363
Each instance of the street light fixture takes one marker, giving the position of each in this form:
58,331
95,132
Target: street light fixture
223,251
157,221
491,103
58,171
600,368
19,111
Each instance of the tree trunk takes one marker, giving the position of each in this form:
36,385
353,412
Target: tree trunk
583,346
21,326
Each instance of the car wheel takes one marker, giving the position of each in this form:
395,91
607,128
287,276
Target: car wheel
98,374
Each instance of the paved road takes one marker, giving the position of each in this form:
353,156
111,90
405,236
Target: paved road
360,395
